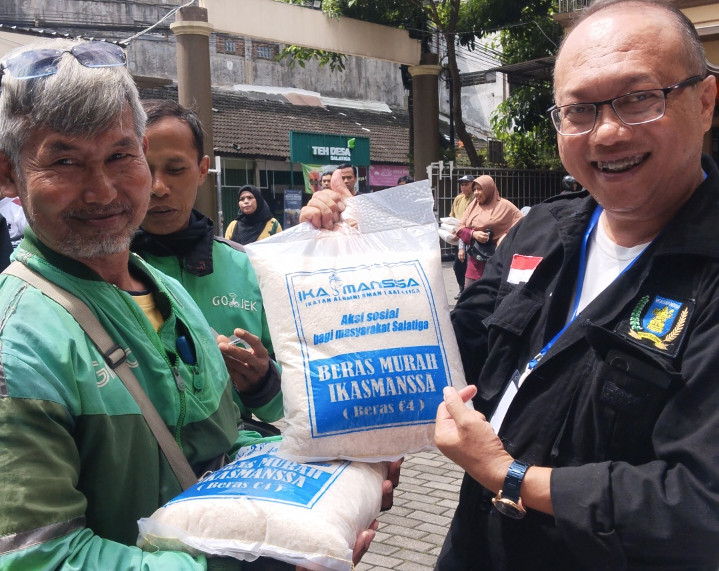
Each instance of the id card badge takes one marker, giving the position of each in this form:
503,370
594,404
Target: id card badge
510,392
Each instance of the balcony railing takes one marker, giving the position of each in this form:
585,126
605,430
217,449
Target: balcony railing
572,5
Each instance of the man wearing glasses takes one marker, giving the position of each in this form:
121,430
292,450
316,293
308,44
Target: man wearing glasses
592,339
78,462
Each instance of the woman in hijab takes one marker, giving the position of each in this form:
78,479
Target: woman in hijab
487,211
254,220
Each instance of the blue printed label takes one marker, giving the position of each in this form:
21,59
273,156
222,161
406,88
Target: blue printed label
391,387
387,309
257,474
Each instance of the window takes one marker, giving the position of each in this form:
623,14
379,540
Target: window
230,45
265,51
476,78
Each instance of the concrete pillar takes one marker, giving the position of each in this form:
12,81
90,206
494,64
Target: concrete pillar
194,86
425,95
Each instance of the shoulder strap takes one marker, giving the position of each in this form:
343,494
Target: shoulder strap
234,245
116,359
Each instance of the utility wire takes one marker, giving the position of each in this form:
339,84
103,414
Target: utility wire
479,59
124,43
544,34
480,31
165,17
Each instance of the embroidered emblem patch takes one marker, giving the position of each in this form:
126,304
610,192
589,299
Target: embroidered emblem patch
658,323
522,268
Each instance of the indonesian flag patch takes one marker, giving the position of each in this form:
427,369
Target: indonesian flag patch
522,268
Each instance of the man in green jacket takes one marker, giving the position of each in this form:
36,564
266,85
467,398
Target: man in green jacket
78,463
180,242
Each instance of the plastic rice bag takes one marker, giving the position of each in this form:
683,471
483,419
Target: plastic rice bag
263,506
360,325
448,237
449,220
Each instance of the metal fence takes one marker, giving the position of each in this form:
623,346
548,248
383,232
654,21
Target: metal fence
572,5
521,187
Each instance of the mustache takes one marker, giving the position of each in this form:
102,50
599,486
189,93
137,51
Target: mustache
113,208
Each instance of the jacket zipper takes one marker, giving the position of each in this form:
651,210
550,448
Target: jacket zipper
181,388
175,373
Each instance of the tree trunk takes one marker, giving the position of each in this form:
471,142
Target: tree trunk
448,32
462,133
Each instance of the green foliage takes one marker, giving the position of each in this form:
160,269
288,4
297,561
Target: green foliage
530,141
447,154
299,55
520,122
483,17
333,8
405,14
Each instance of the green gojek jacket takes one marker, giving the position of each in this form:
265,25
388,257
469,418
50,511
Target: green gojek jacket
78,464
230,298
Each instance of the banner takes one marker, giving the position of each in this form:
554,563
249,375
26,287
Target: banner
293,205
386,175
312,175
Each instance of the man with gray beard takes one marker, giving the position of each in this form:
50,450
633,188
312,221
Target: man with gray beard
79,464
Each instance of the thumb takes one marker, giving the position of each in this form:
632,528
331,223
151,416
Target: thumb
338,185
454,402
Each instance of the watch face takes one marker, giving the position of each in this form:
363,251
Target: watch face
508,508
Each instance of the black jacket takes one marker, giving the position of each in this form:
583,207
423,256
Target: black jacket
636,454
5,244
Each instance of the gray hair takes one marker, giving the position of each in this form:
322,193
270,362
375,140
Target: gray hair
694,54
76,101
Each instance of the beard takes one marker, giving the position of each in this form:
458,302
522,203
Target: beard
79,247
92,243
95,244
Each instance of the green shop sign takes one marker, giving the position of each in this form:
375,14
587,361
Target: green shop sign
319,148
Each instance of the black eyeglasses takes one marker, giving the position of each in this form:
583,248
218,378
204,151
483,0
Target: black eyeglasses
45,61
635,108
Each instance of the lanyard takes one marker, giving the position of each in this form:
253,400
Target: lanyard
580,284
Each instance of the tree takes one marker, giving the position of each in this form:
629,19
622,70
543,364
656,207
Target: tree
418,16
521,122
526,32
445,16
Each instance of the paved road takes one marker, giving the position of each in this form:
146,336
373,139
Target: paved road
411,534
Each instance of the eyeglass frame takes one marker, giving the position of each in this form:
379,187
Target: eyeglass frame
4,65
665,91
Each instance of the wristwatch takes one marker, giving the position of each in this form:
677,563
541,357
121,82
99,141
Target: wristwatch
507,501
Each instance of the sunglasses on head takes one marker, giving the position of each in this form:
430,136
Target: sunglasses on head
42,62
